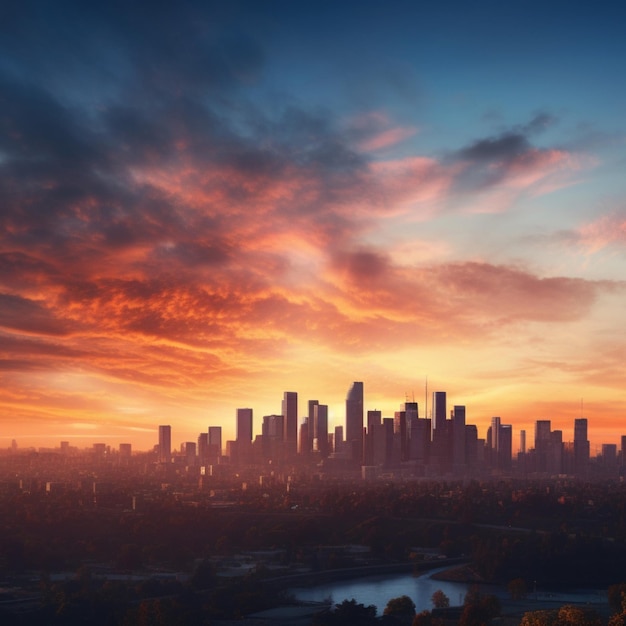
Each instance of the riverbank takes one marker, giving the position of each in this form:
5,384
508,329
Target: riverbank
307,579
513,610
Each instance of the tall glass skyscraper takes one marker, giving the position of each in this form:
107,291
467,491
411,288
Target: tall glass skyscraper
165,444
439,412
354,420
244,426
290,424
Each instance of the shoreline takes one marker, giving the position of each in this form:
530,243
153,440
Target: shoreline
312,579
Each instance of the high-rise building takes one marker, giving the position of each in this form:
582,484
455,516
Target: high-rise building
581,447
471,446
244,426
188,450
458,438
320,429
401,434
165,444
495,437
543,428
215,443
419,440
354,421
554,463
290,413
273,429
203,448
505,447
374,419
439,412
306,444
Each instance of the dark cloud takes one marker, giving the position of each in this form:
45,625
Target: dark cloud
24,315
362,266
490,160
505,147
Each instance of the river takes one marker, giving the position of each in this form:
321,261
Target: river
378,590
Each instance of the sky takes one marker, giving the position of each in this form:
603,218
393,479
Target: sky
206,204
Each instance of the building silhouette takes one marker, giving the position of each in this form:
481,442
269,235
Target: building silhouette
165,444
354,422
290,423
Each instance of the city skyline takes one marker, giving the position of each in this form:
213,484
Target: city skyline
245,428
205,204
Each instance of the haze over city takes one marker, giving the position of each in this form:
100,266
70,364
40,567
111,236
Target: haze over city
203,205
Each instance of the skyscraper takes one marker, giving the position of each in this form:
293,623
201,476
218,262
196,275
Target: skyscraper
290,413
581,447
505,447
244,426
439,411
203,448
165,444
307,443
543,430
215,443
458,438
354,421
495,438
320,429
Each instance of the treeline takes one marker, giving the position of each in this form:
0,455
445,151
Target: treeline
548,534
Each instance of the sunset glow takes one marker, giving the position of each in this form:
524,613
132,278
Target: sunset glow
204,206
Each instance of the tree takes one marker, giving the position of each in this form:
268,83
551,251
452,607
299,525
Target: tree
618,619
479,609
539,618
569,615
348,612
424,618
440,600
401,606
616,594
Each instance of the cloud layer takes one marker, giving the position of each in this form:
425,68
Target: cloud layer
168,233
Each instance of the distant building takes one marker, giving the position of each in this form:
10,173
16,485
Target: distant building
244,426
439,414
165,444
542,444
320,430
354,421
203,448
215,443
290,426
581,448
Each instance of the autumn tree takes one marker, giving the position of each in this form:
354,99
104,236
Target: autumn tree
440,600
569,615
426,618
539,618
402,606
616,596
479,608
